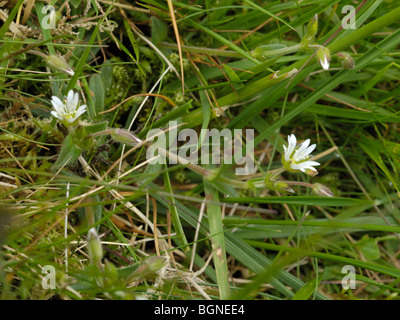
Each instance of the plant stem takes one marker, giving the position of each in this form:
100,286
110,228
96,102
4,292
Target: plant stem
276,172
281,51
176,222
38,53
231,53
217,239
202,171
210,51
299,183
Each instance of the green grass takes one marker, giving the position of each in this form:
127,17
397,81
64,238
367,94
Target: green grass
184,231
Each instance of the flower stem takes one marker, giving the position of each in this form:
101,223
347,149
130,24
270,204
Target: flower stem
275,173
282,51
299,183
210,51
38,53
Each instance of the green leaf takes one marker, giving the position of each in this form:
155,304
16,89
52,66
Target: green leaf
233,77
158,30
82,61
97,88
372,82
133,41
175,114
360,223
97,127
124,49
176,222
306,291
392,147
92,212
94,5
329,257
69,152
106,77
217,240
301,200
369,146
351,115
268,13
206,114
75,3
369,248
224,41
11,16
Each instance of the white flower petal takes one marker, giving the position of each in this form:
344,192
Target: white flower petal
304,150
69,102
57,103
296,166
291,146
310,168
312,163
71,120
75,101
309,149
304,145
325,64
302,166
55,114
70,96
292,141
81,110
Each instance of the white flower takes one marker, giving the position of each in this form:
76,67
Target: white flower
297,157
69,111
325,63
324,57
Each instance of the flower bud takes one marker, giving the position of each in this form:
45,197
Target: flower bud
324,57
312,26
283,187
59,63
149,266
321,190
124,136
346,61
311,31
279,186
94,246
276,77
154,263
